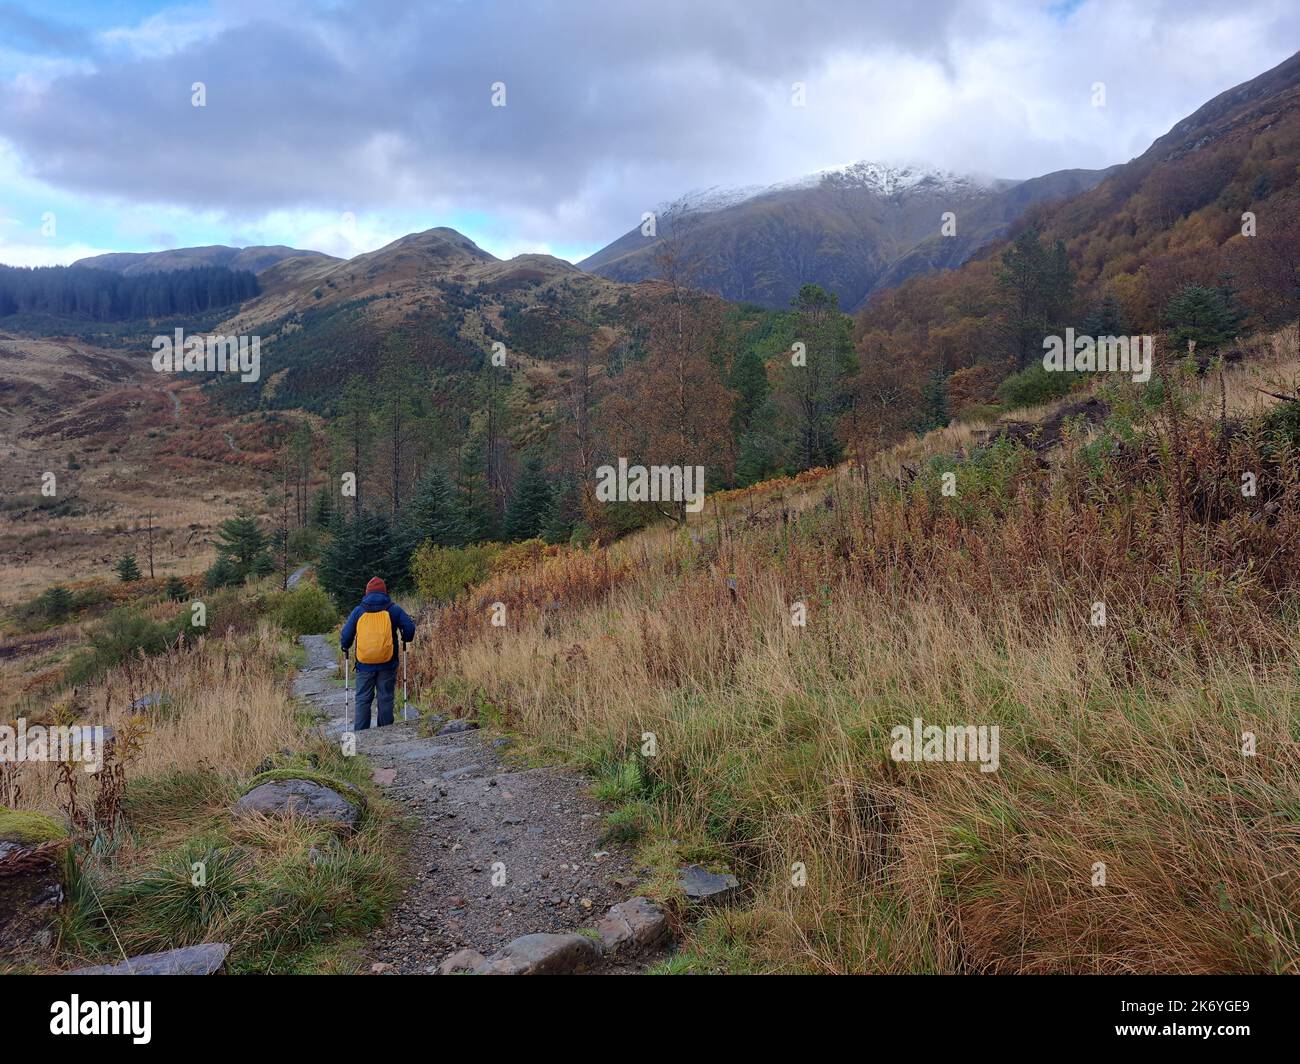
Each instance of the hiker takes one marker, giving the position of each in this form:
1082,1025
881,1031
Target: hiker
375,625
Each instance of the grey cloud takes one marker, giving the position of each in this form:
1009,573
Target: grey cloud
353,107
612,106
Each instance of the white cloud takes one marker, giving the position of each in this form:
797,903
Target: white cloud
162,33
382,109
46,253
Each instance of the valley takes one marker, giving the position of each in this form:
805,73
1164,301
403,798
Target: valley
720,543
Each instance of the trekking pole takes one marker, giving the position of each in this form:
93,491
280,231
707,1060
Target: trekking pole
406,657
347,693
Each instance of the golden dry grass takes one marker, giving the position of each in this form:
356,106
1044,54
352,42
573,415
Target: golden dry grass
226,707
1121,745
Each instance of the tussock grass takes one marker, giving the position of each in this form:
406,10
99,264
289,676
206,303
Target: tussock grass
164,864
1120,745
224,706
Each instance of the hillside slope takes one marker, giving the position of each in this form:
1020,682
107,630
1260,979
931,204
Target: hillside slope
739,686
253,259
850,230
435,295
1215,203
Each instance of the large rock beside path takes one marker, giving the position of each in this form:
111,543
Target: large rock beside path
32,849
637,923
542,955
303,798
207,959
699,884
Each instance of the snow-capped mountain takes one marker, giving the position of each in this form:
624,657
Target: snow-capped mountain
850,228
879,178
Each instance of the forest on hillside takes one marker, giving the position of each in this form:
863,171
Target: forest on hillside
86,294
1222,222
449,449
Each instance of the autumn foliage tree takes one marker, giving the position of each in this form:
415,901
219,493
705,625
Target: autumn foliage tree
672,407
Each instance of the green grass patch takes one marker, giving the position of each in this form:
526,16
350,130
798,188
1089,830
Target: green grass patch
27,828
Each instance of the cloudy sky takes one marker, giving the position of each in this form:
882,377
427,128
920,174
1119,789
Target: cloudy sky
341,125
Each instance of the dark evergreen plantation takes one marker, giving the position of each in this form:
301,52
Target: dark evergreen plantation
88,294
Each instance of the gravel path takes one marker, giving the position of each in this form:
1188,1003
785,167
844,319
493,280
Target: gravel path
495,852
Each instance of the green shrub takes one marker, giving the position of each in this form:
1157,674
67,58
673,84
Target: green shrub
443,573
223,573
123,633
1035,385
1283,423
304,544
88,598
56,603
306,610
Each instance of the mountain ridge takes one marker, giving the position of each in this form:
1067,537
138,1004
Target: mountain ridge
254,258
852,229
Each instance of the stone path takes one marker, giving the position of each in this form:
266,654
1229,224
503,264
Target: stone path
496,852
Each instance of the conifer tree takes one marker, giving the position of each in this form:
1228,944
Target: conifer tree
433,513
359,549
474,501
1207,315
241,539
530,503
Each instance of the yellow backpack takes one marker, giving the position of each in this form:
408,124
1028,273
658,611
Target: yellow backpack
375,638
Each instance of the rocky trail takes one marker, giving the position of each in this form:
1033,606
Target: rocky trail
506,870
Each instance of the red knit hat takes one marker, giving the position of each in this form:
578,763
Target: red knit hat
376,584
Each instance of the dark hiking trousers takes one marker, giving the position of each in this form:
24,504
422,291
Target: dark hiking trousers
381,681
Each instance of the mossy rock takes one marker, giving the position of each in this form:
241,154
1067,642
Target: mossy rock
28,829
277,775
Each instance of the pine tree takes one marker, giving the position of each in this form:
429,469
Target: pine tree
564,514
749,381
322,507
474,500
175,588
1106,320
1037,284
359,549
395,412
263,565
530,504
241,539
1208,316
935,413
222,573
807,394
354,432
433,513
56,603
126,568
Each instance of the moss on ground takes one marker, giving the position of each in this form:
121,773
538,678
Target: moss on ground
276,775
28,828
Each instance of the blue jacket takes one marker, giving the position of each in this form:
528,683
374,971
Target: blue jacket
377,600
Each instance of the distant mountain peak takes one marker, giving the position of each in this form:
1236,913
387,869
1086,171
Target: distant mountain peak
850,228
882,179
894,180
255,259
